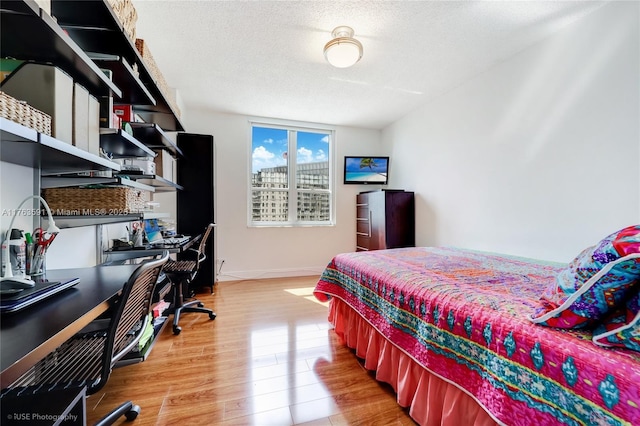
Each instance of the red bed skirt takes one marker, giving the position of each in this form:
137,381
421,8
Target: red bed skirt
432,400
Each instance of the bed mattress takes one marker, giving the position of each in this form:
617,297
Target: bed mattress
463,315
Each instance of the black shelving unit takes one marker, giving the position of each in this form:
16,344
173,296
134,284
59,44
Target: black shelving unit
95,28
62,181
26,147
28,33
154,137
159,183
121,144
75,221
124,76
81,38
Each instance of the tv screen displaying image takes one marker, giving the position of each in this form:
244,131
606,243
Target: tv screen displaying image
366,170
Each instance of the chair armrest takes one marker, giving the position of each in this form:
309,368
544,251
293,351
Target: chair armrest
189,254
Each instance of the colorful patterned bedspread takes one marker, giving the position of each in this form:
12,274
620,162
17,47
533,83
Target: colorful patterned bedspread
463,315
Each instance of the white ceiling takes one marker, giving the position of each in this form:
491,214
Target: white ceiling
264,58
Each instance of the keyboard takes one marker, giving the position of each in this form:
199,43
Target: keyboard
172,241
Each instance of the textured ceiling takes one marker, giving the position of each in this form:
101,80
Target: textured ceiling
264,58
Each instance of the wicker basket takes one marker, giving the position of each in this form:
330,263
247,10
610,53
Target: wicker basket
156,74
95,201
23,113
126,13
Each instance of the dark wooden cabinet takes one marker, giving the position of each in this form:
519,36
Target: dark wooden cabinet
385,219
195,203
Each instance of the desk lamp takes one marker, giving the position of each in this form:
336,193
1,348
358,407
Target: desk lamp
24,281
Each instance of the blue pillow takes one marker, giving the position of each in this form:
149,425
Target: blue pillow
596,282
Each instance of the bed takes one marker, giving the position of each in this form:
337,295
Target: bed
451,330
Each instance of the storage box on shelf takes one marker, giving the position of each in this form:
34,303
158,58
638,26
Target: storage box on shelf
94,126
108,118
24,114
86,120
126,14
165,165
72,113
144,165
80,123
124,112
156,74
90,201
47,88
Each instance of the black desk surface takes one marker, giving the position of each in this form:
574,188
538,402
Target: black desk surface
30,334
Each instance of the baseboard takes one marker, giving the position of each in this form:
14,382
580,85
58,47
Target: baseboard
269,273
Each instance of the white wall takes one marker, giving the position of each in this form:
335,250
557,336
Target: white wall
538,156
18,184
73,248
274,252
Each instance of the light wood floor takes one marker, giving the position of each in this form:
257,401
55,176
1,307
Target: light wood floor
270,358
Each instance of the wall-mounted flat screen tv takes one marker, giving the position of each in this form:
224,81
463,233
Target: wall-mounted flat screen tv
366,170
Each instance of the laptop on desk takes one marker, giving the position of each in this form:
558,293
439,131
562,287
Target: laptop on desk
12,299
155,238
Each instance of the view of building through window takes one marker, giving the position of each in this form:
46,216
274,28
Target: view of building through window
274,183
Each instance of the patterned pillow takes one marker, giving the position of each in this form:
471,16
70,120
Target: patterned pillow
622,329
595,282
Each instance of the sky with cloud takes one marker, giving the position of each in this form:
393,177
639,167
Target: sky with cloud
269,148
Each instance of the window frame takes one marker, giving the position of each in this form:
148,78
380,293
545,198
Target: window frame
292,128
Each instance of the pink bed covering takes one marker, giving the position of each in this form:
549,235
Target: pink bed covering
463,316
432,401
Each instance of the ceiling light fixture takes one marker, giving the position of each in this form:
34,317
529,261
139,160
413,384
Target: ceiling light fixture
343,50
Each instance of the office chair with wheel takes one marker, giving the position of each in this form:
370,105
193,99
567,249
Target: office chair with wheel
181,273
88,358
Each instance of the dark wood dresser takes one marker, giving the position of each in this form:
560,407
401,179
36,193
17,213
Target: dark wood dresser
385,219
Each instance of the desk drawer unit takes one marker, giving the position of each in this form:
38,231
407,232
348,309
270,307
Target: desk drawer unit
363,224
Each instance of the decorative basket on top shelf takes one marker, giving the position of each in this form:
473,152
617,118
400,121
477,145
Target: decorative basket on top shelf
156,74
95,201
23,113
127,15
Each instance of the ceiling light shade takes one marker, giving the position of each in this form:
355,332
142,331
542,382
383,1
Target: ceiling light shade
344,50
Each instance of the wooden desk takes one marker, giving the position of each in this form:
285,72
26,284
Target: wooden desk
29,335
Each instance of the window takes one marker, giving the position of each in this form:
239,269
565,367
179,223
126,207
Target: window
283,195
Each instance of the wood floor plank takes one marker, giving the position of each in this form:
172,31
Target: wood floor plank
269,358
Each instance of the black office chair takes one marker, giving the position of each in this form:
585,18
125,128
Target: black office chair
181,273
88,358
